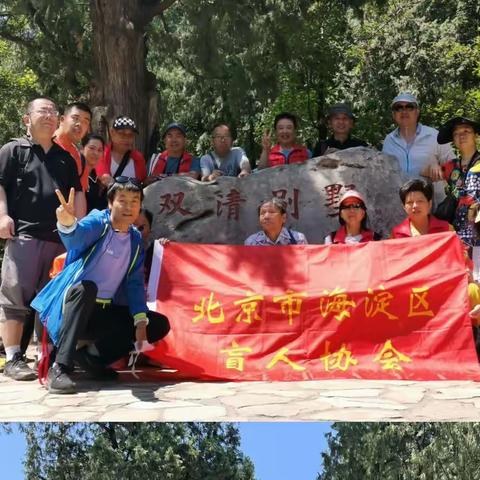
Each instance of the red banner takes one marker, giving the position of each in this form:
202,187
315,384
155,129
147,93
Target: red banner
396,309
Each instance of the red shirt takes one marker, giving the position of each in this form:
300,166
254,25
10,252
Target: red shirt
67,145
139,164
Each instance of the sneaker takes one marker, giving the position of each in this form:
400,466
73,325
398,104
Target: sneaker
93,366
18,369
58,380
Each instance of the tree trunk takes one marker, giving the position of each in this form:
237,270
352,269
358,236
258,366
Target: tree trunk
123,86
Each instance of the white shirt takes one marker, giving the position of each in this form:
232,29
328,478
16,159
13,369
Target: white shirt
350,239
128,171
423,151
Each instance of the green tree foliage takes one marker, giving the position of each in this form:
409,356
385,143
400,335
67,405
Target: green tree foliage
402,451
110,451
17,85
419,46
54,38
242,62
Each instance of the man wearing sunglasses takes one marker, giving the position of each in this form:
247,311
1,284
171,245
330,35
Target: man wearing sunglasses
415,145
99,295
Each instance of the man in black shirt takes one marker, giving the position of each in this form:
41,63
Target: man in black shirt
31,168
340,121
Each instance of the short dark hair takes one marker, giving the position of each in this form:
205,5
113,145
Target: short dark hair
115,187
79,106
288,116
363,223
422,185
148,215
277,203
223,124
92,136
39,97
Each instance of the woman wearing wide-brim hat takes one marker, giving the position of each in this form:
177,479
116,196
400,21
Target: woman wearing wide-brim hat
463,176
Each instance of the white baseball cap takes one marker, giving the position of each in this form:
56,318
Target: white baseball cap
405,97
352,194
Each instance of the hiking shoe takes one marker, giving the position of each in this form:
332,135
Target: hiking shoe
18,369
93,366
58,380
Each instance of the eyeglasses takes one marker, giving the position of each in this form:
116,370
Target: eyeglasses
46,112
353,206
222,137
406,107
123,179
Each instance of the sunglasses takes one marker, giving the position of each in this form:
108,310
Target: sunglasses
353,206
123,180
401,108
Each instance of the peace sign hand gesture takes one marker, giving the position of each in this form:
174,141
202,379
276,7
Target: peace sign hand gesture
66,210
266,141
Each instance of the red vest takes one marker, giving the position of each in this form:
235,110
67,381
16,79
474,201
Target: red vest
161,163
341,234
435,225
139,163
298,154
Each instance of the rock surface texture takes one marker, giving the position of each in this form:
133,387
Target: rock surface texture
225,211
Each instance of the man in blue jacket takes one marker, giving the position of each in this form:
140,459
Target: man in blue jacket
99,295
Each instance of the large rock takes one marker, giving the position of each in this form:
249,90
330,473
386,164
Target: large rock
225,211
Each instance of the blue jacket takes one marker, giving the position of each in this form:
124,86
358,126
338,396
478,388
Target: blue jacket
89,235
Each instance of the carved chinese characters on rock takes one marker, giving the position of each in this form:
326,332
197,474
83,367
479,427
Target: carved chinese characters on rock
291,199
333,192
230,204
171,203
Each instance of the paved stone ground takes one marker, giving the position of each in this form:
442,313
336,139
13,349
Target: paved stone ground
148,400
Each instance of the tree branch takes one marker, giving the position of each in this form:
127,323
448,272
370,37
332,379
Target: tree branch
40,24
15,39
110,431
152,8
168,31
157,7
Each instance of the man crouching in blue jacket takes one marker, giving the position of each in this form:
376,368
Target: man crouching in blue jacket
99,295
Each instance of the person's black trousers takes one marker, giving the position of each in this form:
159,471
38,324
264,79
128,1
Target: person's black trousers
110,327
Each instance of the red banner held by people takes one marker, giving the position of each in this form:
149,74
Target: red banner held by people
395,309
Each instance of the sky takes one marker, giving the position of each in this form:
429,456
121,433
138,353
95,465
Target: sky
279,450
284,450
12,450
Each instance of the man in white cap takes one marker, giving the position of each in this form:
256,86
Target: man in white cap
415,145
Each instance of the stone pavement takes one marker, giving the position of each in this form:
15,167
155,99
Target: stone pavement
148,400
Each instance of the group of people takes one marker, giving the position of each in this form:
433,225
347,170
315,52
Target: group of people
51,178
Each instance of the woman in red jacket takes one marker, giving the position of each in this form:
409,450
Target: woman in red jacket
286,150
352,217
416,196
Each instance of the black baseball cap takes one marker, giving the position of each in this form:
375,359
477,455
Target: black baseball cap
340,108
176,125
